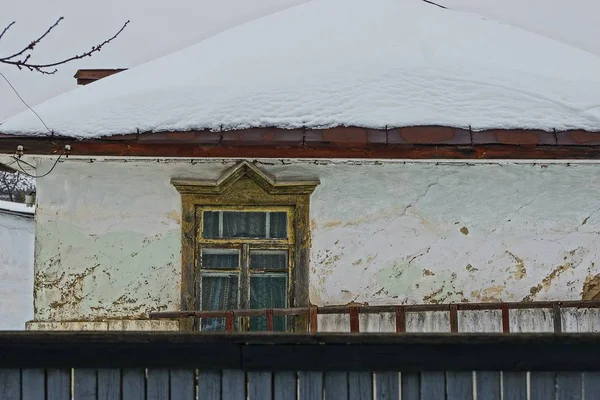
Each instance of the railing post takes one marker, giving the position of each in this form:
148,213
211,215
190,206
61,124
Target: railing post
400,319
269,313
229,321
453,318
354,320
314,322
505,318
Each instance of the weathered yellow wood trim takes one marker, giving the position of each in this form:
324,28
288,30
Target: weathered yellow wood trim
243,169
245,187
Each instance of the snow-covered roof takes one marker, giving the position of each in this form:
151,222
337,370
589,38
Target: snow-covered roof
326,63
18,208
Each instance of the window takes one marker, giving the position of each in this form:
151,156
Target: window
245,244
245,262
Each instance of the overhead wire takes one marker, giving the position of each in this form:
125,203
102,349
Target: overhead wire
18,160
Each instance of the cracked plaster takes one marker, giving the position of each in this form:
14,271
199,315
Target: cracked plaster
533,233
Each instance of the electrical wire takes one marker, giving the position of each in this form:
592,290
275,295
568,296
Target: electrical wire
24,102
18,160
38,176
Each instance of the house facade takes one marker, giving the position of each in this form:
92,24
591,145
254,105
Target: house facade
286,184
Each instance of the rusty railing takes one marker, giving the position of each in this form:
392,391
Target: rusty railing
400,312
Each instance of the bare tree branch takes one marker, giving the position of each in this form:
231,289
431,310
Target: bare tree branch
6,29
44,68
34,43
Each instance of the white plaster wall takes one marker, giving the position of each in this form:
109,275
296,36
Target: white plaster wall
108,233
16,271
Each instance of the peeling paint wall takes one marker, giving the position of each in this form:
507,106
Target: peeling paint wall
16,271
108,233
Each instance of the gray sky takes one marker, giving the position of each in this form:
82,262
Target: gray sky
159,27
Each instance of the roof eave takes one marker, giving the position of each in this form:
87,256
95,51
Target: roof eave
421,142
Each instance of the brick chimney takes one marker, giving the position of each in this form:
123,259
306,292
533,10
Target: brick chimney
85,76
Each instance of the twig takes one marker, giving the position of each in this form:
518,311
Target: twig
42,68
6,29
35,42
435,4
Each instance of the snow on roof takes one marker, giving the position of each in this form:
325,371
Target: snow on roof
16,207
326,63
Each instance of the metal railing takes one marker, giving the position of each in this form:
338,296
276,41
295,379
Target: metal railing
400,312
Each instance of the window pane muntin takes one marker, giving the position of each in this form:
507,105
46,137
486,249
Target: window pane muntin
269,260
220,258
288,210
252,244
210,224
278,225
214,296
276,296
244,224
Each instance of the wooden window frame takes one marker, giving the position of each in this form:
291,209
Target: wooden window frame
245,246
244,186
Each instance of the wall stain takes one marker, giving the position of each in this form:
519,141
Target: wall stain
357,262
313,224
591,288
464,230
427,272
471,268
174,216
489,295
520,270
547,281
332,224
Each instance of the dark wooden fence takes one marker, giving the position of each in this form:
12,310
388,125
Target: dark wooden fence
263,366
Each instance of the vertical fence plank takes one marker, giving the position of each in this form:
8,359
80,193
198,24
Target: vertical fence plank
591,385
433,385
134,384
182,384
259,385
568,385
514,385
209,385
311,385
387,385
542,385
557,318
10,384
488,385
360,385
157,384
109,384
233,384
411,386
459,385
284,386
58,384
33,384
85,384
336,385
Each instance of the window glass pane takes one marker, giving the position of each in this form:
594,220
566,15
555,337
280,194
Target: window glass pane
218,293
268,291
220,258
268,259
278,225
211,224
244,224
